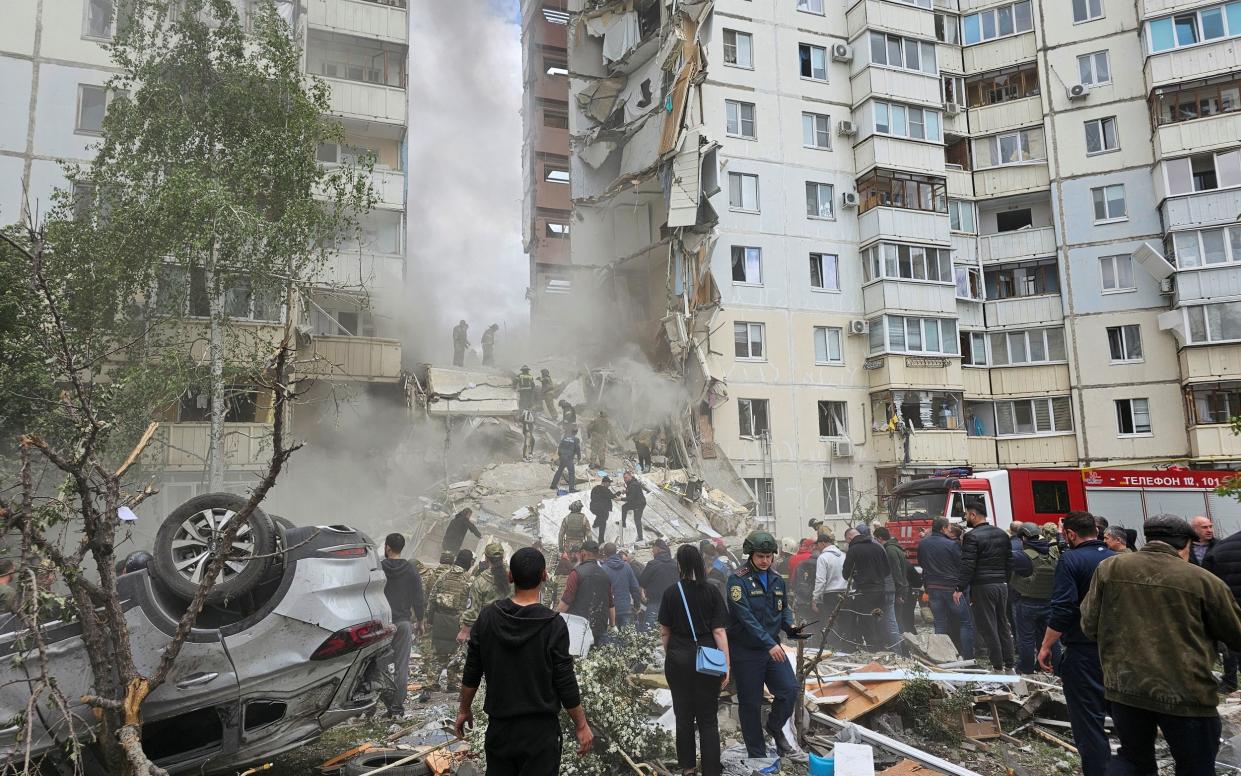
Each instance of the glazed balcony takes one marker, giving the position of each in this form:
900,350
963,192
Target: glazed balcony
381,21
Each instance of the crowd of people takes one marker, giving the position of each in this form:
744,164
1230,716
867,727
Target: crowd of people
1056,598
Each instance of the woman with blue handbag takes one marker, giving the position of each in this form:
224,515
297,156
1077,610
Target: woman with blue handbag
692,626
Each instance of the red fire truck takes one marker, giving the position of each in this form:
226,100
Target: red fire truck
1124,496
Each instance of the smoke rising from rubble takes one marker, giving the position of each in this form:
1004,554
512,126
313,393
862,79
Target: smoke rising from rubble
465,256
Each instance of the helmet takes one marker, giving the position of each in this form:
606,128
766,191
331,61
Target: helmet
525,368
546,372
494,550
1029,531
576,506
759,541
788,545
137,561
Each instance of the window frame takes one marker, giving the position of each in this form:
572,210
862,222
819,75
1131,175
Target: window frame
751,328
822,7
819,201
741,177
1007,84
1230,237
890,109
740,106
1131,405
764,489
828,331
1092,60
1102,123
903,42
1026,336
970,208
876,263
78,129
1109,217
1114,260
946,333
817,260
1088,17
841,433
1207,327
815,131
1023,145
811,48
881,187
87,34
1125,341
766,413
1049,402
1149,35
1216,171
736,47
745,256
995,25
1182,102
835,489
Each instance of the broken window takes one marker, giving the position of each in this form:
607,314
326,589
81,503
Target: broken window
998,86
1125,342
969,283
837,496
980,418
748,340
555,66
556,229
1012,220
1031,279
927,410
764,497
738,49
555,13
813,60
827,345
743,191
555,173
240,405
825,271
752,416
747,264
832,419
1133,417
739,119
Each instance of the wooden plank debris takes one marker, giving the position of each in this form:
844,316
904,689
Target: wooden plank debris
858,698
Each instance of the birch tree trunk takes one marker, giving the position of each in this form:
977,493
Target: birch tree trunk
215,352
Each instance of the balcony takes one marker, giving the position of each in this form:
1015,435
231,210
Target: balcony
956,123
1059,450
359,17
1017,245
1201,61
996,54
183,446
1210,363
362,270
1025,311
901,224
1214,442
1149,8
1011,179
990,119
926,448
1214,282
1046,379
550,87
900,371
982,452
899,297
899,154
548,34
903,86
366,101
551,140
353,359
969,314
1205,134
960,183
1205,208
909,21
948,58
389,188
976,382
964,248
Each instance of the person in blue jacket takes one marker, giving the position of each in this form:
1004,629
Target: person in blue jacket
758,610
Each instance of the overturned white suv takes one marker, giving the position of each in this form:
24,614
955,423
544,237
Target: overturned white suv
285,648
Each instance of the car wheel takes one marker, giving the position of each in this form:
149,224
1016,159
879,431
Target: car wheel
371,761
283,522
188,536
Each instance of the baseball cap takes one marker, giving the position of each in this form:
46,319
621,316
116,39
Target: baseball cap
590,545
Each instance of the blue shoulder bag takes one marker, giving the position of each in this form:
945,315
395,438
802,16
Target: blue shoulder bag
710,661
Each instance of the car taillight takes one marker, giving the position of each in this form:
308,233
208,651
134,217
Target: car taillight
346,552
351,639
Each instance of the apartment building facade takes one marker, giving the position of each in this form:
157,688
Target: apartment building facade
940,232
54,67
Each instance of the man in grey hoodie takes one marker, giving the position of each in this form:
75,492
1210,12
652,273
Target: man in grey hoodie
626,593
403,589
522,648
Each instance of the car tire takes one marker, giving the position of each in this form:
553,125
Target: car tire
185,539
283,522
372,761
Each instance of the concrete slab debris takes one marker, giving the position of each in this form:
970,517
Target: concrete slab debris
935,647
854,759
458,391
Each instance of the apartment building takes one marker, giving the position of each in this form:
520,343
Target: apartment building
54,67
940,232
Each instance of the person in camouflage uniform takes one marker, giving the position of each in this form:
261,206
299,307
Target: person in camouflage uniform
446,601
485,589
573,530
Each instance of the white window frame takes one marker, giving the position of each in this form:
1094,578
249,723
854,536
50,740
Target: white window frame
1027,337
86,31
886,122
1024,147
962,206
764,489
876,263
1086,6
1134,410
735,120
754,433
1049,405
1200,310
78,129
996,15
756,333
967,273
841,420
739,179
1233,156
738,48
821,203
1116,261
1201,40
830,335
1229,235
903,43
1088,68
747,252
832,485
978,349
808,6
1129,337
1099,195
946,333
821,261
813,47
819,127
1102,124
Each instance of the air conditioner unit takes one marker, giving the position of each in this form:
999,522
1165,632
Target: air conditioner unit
859,327
952,108
842,449
1078,92
1165,285
846,128
842,52
848,199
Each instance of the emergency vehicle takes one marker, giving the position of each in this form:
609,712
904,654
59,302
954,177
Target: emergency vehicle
1125,497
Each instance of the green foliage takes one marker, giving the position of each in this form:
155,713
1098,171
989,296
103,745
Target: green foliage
932,711
1232,485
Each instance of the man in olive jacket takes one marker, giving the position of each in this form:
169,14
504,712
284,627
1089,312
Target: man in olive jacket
1157,665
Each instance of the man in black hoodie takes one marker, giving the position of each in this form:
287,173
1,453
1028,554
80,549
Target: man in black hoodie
866,568
659,575
454,534
403,589
522,648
